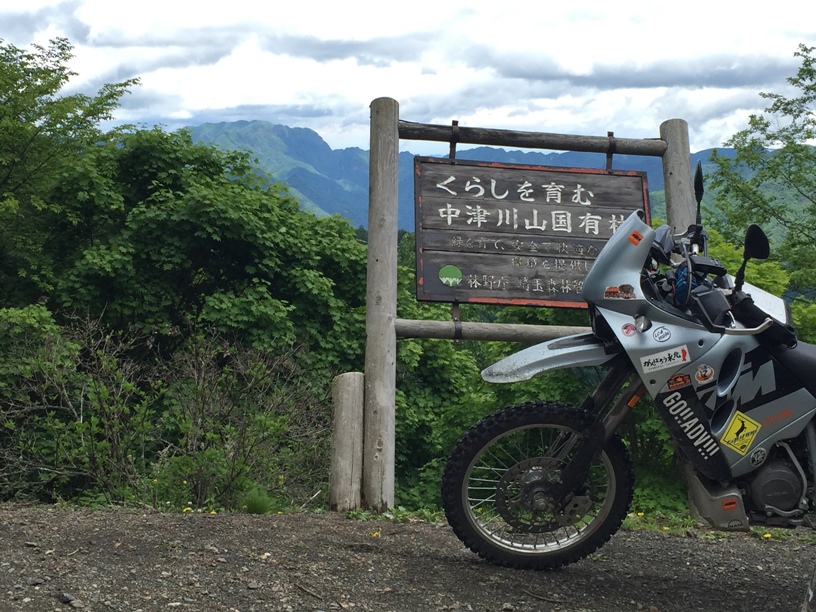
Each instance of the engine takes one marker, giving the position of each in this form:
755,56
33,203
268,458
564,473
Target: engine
776,484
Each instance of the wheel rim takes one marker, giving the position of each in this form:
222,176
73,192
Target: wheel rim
506,491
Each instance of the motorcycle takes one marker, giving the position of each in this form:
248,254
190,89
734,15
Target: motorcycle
542,484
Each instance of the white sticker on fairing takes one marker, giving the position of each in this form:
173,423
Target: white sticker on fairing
670,358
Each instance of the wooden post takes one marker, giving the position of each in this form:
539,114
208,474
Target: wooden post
681,210
511,332
381,308
347,442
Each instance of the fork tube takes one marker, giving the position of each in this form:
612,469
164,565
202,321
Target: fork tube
598,402
622,408
575,472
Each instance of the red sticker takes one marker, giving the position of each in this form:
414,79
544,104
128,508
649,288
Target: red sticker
635,238
620,292
678,381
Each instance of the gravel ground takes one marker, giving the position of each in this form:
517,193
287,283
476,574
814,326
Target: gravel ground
53,558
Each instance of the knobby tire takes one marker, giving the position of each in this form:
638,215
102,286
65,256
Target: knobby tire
504,460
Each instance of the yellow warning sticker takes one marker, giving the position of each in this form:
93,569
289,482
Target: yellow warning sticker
740,432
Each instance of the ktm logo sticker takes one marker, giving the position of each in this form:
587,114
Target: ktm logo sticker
740,433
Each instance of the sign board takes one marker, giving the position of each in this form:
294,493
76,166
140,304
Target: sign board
513,234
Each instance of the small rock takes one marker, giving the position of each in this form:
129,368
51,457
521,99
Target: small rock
253,585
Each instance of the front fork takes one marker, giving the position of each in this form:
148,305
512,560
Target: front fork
610,407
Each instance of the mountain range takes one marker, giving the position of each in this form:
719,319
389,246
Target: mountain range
330,181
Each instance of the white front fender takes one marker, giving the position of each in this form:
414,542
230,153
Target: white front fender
567,352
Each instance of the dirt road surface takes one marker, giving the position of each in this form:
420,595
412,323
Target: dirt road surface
58,559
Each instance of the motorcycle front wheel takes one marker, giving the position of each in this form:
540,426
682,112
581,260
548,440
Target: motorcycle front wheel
496,485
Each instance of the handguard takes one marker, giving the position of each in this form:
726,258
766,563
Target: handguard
567,352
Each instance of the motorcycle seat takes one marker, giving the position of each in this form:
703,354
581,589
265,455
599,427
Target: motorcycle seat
800,360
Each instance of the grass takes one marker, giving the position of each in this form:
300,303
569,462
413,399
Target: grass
258,501
399,515
685,525
673,522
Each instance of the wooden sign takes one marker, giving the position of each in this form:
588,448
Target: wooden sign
512,234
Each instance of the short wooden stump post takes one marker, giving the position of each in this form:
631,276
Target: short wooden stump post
347,442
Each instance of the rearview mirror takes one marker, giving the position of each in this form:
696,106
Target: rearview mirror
756,243
756,247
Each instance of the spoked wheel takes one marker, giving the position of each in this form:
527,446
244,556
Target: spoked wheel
499,481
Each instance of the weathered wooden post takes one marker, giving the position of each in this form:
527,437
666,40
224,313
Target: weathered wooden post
681,210
347,442
381,308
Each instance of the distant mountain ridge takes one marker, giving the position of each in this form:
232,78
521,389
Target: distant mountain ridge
330,181
325,181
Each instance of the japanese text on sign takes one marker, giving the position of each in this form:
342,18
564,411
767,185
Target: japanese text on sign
502,233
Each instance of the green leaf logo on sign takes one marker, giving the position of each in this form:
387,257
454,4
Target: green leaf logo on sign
450,275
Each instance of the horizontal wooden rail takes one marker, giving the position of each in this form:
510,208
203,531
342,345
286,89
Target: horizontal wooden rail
655,147
447,330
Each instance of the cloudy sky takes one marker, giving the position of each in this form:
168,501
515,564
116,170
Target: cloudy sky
582,67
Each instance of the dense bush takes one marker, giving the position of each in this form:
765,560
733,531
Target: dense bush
90,414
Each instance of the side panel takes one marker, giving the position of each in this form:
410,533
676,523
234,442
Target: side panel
733,403
668,346
754,402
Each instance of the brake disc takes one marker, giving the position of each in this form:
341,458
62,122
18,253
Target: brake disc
523,495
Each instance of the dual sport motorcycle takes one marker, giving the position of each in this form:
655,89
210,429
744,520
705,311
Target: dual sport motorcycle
543,484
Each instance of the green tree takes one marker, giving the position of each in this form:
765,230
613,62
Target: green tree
772,176
771,180
160,242
42,132
151,230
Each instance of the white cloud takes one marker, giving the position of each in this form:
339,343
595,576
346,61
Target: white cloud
584,68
